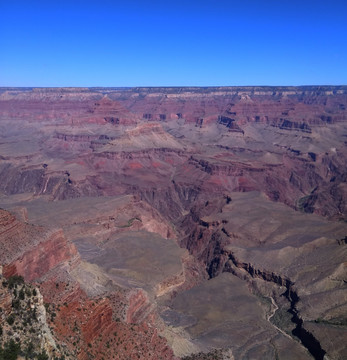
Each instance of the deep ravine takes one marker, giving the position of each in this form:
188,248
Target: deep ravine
307,339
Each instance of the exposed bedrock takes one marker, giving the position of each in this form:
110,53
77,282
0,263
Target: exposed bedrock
218,260
127,172
304,172
171,201
14,180
83,324
305,185
286,107
31,251
139,307
94,327
36,262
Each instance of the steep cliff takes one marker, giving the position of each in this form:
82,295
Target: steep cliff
78,325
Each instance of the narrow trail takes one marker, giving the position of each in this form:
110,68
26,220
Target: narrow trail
272,314
45,186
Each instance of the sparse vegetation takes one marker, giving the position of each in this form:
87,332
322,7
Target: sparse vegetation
22,323
130,222
338,322
217,354
10,319
15,280
42,356
10,351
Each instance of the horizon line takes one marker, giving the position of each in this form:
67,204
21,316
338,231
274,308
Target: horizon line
176,87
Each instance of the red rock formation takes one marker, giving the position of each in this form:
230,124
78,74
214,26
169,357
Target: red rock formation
139,307
90,327
35,263
85,326
17,237
31,251
109,154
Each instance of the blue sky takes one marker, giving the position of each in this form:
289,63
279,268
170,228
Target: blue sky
172,43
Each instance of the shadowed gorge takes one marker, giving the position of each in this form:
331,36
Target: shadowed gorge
177,223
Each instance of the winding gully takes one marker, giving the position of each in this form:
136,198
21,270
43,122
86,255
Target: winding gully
306,338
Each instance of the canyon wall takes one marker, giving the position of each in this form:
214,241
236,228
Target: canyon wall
124,201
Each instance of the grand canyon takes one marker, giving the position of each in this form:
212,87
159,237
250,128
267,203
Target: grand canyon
173,223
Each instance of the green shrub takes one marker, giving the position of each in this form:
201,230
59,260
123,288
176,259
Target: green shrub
15,280
21,294
16,304
10,319
10,351
42,356
29,351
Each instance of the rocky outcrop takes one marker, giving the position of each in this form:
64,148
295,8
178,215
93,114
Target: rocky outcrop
280,107
83,137
16,180
39,260
191,275
109,146
285,124
31,251
6,302
91,328
17,237
139,307
82,326
24,321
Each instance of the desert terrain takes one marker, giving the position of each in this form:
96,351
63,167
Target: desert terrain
174,223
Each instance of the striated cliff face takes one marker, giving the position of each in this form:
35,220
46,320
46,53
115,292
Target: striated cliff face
139,307
81,325
30,251
287,142
94,328
288,108
42,258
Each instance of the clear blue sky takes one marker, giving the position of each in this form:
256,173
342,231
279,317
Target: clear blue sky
173,43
